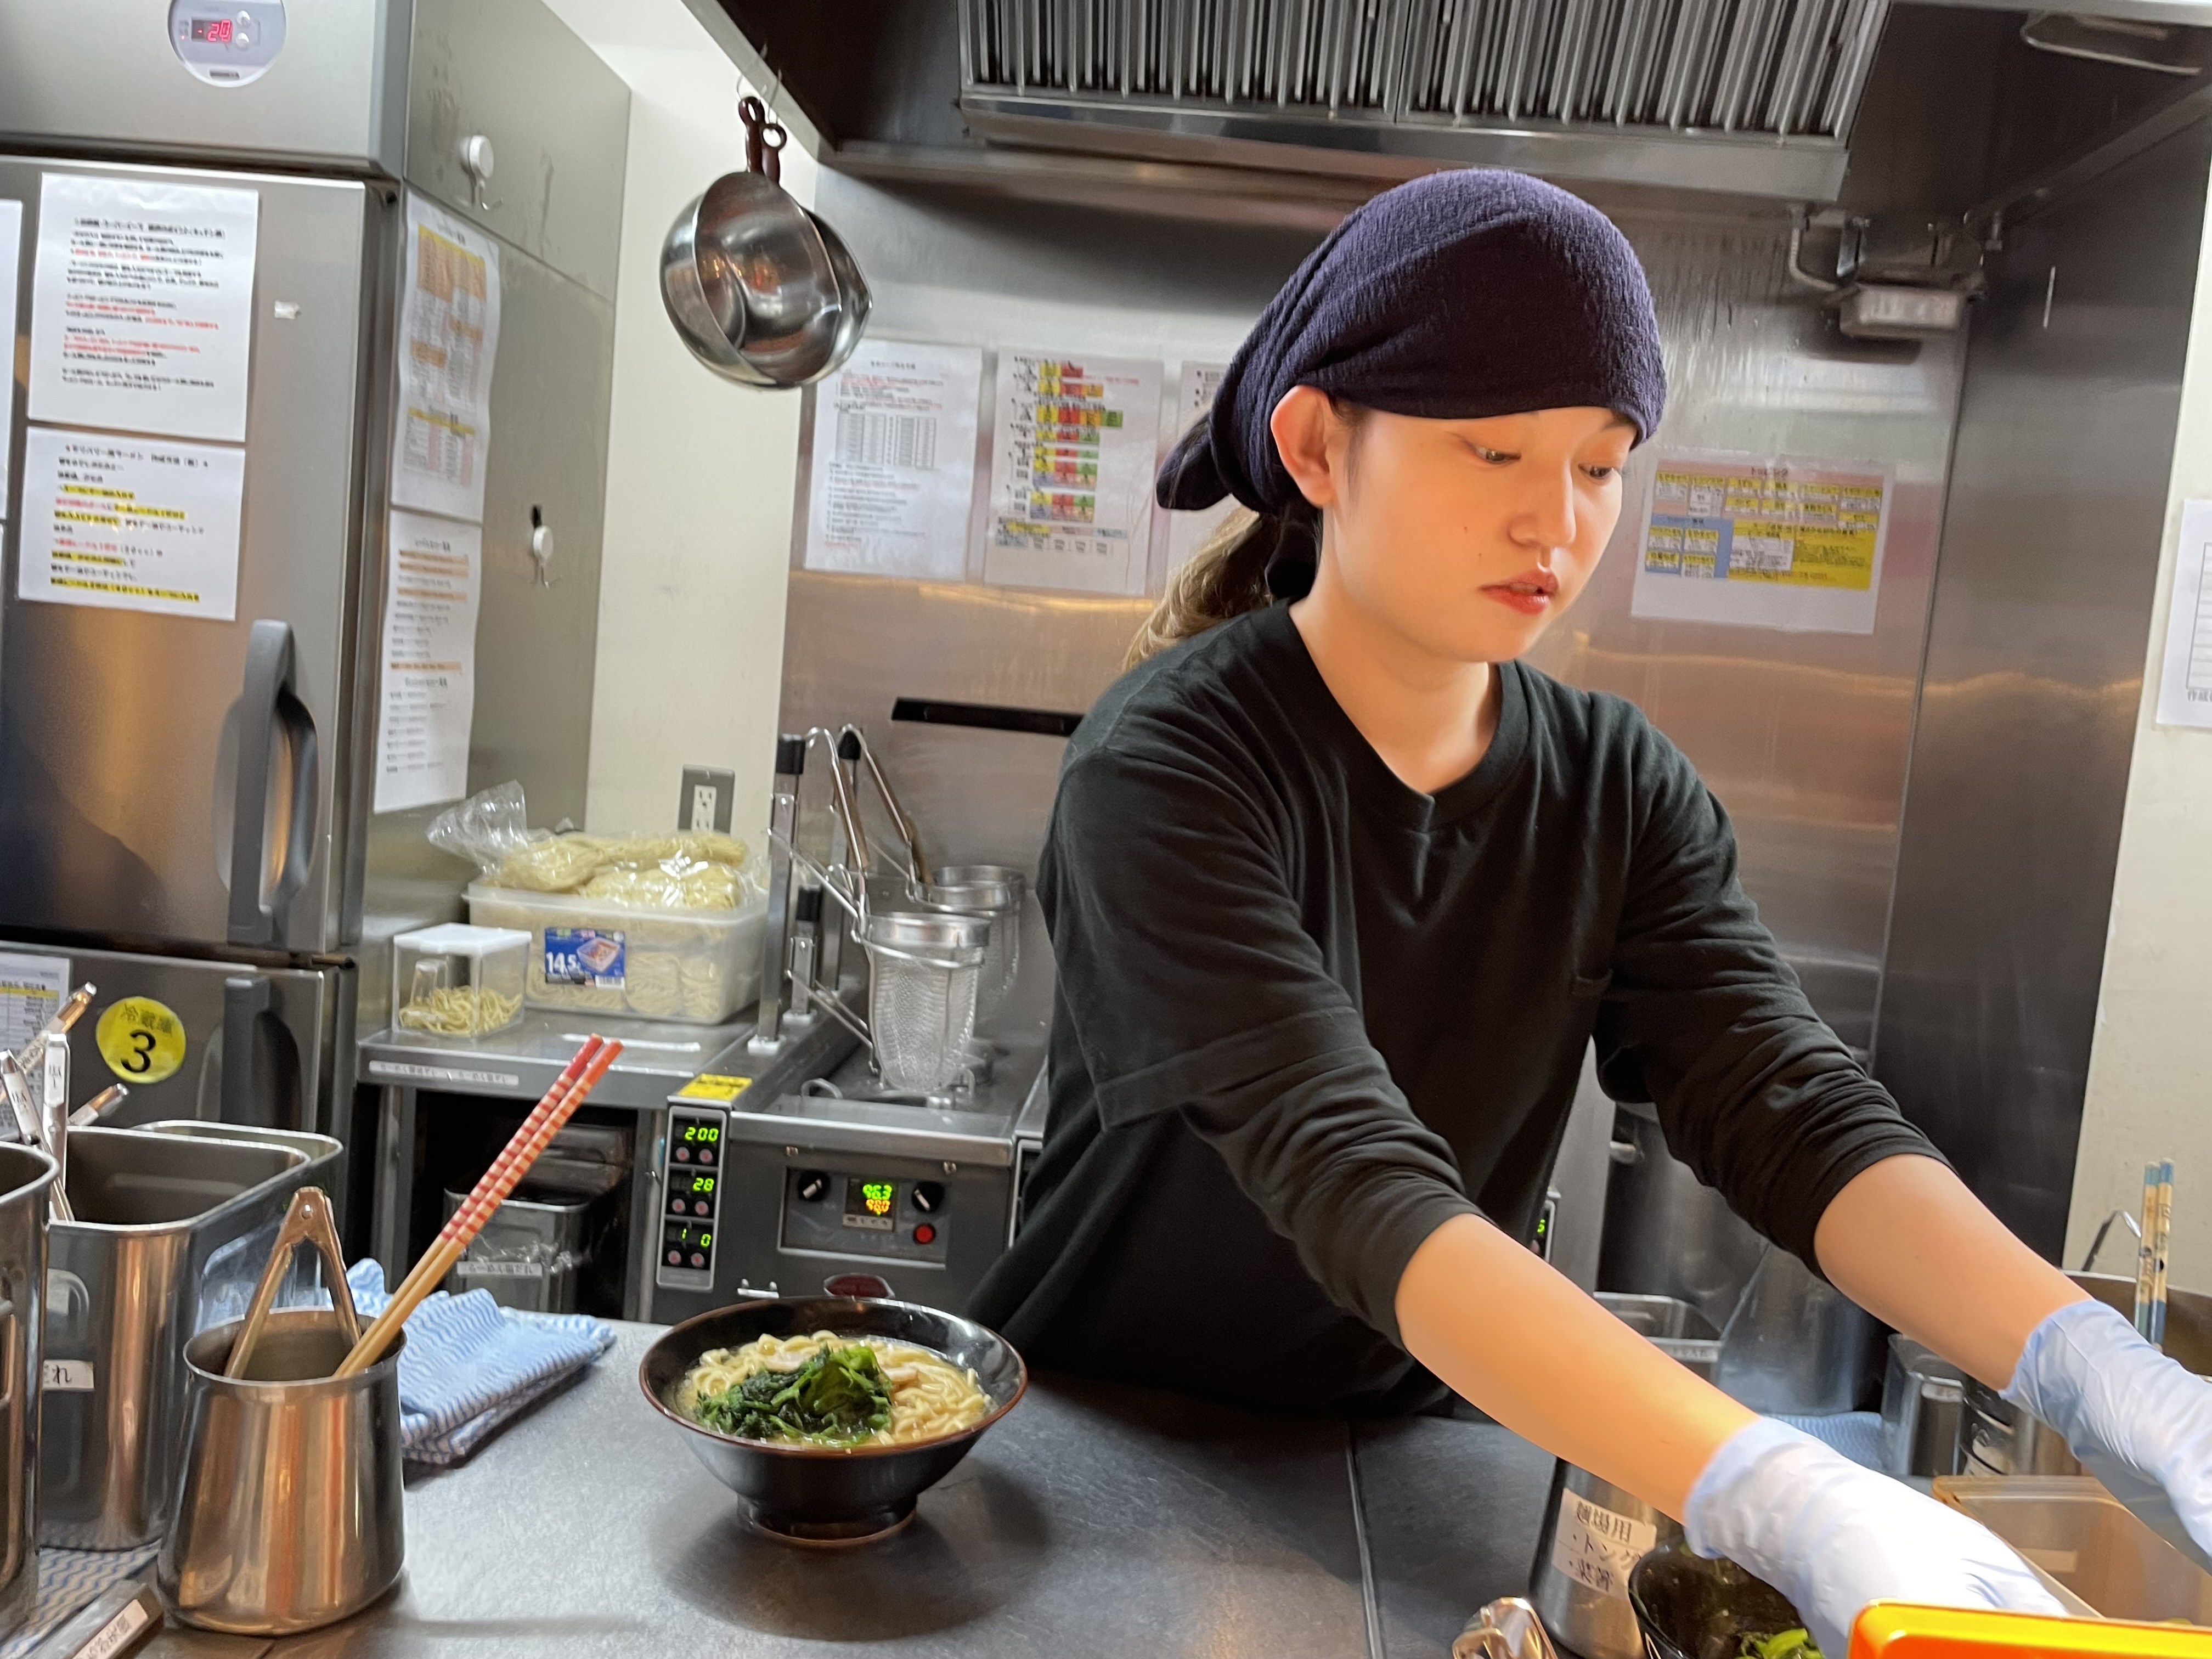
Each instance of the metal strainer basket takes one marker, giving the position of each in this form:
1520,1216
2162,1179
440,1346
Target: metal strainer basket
925,972
994,892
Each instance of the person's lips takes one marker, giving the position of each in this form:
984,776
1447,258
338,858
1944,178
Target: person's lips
1531,593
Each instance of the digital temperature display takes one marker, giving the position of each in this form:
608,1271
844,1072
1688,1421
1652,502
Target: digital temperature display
869,1203
702,1134
214,30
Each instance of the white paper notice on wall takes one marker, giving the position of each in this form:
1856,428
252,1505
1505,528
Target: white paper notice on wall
449,340
1072,457
1183,531
31,988
435,585
1772,542
2185,682
131,524
11,254
142,306
894,461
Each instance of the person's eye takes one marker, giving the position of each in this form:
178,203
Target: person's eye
1603,474
1493,457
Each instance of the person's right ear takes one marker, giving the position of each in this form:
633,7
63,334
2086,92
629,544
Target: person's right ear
1302,425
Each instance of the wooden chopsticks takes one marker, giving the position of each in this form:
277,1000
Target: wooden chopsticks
577,1079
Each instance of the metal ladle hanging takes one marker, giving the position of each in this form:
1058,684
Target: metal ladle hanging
760,290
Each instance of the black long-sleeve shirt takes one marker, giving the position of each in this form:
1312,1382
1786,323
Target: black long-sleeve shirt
1306,1013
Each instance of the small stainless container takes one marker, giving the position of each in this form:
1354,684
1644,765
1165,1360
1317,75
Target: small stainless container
2085,1538
26,1176
171,1233
1922,1396
289,1512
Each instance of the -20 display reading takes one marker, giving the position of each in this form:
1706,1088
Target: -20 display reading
215,30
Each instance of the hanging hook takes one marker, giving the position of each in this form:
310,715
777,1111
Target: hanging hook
765,139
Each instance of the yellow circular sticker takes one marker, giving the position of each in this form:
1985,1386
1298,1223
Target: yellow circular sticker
143,1041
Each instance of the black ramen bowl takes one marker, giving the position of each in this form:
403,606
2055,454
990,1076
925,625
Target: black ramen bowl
830,1494
1689,1607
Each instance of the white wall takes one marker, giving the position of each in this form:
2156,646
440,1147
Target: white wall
2150,1069
700,472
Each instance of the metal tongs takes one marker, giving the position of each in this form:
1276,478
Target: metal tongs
45,1124
1507,1628
306,1222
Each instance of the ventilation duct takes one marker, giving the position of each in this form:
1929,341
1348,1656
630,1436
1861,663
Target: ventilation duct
1746,95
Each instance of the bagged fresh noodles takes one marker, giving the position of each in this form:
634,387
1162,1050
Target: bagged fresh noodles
615,940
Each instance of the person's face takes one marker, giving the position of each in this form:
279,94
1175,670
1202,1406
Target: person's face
1464,537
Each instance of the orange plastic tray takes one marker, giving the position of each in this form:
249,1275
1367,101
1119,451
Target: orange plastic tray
1899,1630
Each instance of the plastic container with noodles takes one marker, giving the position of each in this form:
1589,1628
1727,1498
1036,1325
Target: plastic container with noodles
455,981
590,955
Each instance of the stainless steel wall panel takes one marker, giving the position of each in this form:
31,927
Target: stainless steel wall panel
536,638
558,120
2035,652
1803,736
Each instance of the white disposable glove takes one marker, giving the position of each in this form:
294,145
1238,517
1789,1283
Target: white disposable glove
2137,1420
1832,1536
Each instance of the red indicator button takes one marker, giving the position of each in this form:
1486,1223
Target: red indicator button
706,1154
683,1154
676,1258
925,1234
698,1259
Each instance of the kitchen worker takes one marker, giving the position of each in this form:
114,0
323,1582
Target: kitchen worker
1339,889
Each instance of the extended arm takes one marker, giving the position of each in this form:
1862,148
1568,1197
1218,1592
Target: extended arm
1908,1243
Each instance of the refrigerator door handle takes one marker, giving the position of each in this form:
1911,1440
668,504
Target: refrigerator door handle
245,998
271,713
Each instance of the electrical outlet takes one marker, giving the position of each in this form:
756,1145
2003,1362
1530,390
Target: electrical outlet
704,800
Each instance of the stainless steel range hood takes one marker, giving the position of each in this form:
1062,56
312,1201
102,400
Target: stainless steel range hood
1748,96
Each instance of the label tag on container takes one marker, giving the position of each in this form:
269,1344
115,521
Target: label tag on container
1595,1547
584,956
69,1377
143,1041
714,1085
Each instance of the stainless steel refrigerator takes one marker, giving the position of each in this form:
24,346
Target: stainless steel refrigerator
186,802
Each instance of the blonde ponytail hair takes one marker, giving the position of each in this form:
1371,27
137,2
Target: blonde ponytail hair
1225,577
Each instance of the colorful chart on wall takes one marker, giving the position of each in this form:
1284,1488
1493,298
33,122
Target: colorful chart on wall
1776,542
1073,449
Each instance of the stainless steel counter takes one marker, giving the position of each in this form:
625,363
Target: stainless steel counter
1094,1520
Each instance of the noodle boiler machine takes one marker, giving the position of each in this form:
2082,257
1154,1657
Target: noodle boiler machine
764,1157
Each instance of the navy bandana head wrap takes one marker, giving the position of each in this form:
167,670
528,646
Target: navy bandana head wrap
1459,295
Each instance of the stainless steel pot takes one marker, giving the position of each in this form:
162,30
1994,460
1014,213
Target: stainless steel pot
751,286
1795,1343
1593,1532
26,1176
288,1502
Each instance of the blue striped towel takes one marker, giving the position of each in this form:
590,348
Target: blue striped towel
1857,1435
471,1365
68,1580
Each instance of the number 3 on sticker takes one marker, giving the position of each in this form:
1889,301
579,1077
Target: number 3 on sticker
143,1041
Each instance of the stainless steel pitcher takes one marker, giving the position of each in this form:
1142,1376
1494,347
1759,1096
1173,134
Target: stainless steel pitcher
26,1174
288,1510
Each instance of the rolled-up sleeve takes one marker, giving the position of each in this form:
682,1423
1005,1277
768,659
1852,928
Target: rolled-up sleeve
1194,987
1705,1019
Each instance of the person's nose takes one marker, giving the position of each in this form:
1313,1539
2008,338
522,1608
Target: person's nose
1545,522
